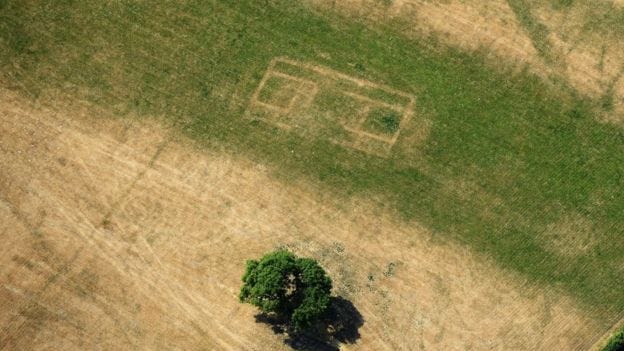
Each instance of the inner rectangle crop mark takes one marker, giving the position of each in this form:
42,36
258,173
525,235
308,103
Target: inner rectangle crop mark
281,91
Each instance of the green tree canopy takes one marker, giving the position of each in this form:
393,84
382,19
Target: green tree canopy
616,343
297,289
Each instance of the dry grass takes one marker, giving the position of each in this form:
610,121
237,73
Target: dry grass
470,25
573,235
116,236
591,60
591,55
604,340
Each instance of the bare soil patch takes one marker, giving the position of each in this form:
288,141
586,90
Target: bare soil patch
116,237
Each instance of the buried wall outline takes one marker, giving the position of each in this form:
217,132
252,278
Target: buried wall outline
290,96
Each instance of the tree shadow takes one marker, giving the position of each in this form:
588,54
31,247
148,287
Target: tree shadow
340,324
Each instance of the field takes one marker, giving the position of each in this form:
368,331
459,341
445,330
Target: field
462,196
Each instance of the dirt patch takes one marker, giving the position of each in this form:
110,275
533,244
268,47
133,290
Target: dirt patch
119,238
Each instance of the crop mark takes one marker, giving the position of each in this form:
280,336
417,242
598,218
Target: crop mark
122,198
316,100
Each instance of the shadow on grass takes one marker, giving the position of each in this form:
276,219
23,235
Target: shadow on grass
341,324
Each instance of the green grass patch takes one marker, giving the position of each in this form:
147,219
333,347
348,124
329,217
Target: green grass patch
505,157
537,31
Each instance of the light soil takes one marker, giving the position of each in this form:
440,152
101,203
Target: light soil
117,235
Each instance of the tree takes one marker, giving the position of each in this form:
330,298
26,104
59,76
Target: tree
616,343
296,289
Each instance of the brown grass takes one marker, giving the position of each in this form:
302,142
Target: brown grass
604,340
572,235
118,236
592,62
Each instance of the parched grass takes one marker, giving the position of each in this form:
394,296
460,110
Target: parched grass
526,153
602,17
383,120
592,17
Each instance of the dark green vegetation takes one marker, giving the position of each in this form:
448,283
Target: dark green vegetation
383,121
537,31
295,288
616,343
506,156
